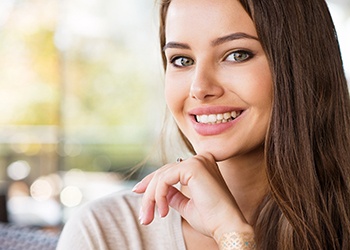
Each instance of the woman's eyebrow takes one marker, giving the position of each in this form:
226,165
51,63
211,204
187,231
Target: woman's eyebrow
231,37
176,45
216,42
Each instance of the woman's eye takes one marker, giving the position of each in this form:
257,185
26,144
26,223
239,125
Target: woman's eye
182,61
239,56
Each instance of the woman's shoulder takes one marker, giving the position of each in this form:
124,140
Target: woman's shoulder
117,209
97,224
124,201
111,222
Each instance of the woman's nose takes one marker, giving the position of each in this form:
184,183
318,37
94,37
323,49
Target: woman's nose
205,85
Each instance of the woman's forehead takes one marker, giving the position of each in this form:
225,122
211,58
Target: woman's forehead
207,19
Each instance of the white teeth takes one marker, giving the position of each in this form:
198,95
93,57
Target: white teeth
217,118
202,119
227,115
212,118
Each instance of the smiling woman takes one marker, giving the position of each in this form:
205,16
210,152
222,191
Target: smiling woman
229,74
267,120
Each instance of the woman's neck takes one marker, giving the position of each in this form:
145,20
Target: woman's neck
246,179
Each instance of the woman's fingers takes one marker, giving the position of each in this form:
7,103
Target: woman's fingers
209,207
174,198
177,200
141,186
165,192
147,212
156,192
159,192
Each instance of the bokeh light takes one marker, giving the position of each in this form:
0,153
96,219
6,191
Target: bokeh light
18,189
41,190
18,170
71,196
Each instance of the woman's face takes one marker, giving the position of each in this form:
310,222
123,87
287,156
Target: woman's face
218,83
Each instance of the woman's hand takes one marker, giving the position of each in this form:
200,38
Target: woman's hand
210,208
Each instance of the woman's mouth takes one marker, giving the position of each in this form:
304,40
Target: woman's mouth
211,119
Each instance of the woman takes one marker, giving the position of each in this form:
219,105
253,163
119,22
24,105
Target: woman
258,91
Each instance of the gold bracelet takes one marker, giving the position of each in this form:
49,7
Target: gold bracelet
237,241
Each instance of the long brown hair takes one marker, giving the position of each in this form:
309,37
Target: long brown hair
308,143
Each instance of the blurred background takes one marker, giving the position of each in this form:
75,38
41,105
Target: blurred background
81,101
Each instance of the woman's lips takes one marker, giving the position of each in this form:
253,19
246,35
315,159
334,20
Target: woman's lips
214,120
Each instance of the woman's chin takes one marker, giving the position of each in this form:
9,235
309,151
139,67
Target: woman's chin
218,156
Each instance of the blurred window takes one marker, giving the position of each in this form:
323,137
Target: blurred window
80,89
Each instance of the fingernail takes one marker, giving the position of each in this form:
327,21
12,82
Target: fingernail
160,214
141,217
135,187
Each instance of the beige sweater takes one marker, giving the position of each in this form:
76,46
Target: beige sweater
112,223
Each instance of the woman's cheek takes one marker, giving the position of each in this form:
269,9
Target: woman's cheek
176,93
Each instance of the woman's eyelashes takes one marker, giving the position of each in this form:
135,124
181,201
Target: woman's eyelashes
181,61
237,56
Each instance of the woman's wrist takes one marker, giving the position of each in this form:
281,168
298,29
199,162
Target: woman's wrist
237,241
236,236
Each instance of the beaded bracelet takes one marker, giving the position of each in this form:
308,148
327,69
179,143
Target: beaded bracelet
237,241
